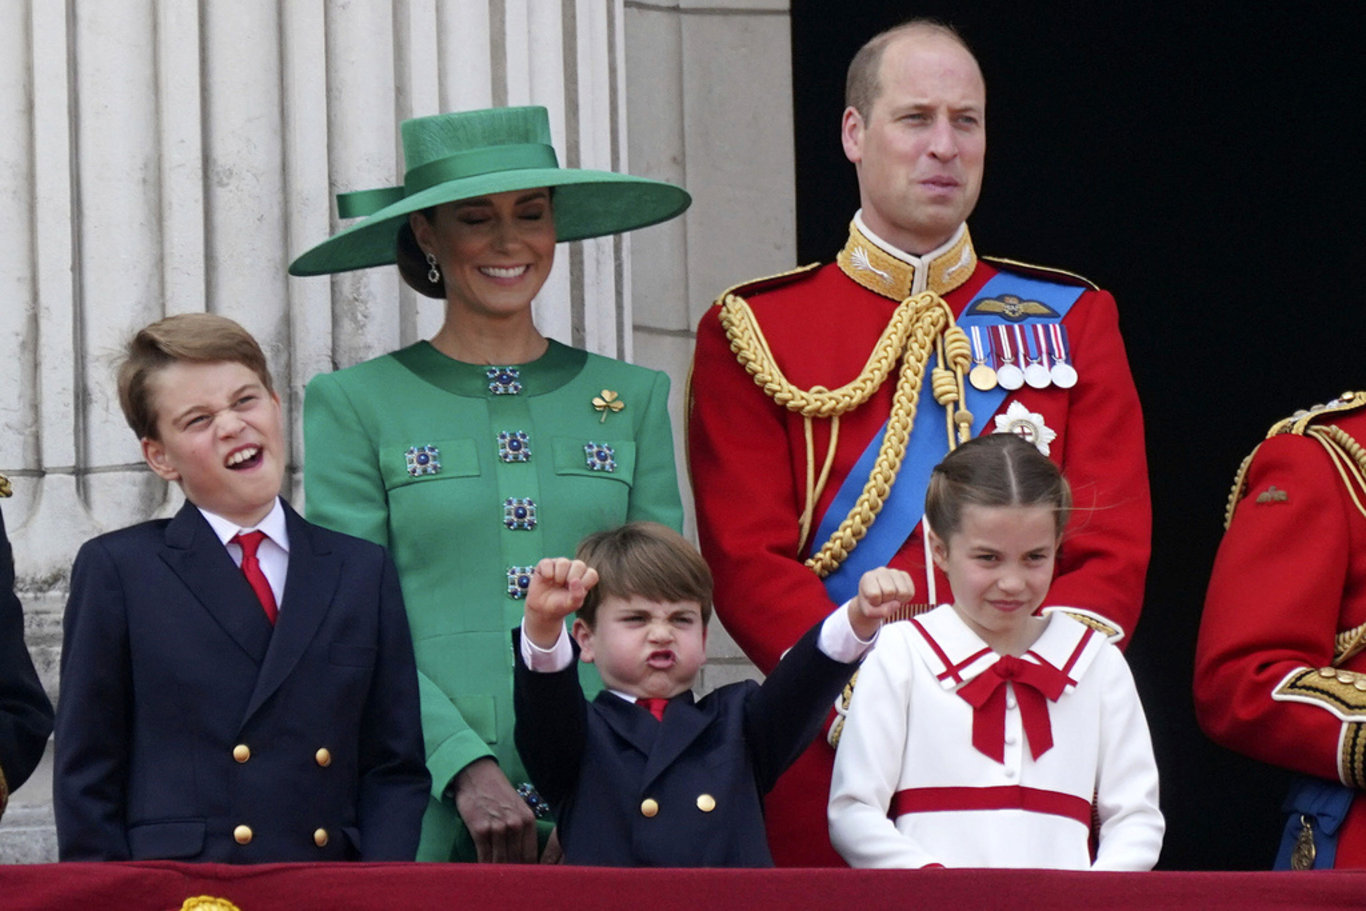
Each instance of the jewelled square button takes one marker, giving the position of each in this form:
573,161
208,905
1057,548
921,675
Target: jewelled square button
519,580
504,380
422,460
600,456
519,513
514,446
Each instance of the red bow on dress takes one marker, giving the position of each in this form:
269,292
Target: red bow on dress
1035,686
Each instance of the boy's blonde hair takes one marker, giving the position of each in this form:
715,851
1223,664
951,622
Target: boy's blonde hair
198,338
645,559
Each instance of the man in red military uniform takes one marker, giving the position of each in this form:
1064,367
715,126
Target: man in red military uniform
1280,668
812,392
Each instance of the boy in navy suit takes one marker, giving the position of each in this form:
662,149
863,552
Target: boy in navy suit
644,775
238,685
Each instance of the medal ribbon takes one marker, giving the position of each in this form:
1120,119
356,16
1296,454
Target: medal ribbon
1035,686
905,503
1041,339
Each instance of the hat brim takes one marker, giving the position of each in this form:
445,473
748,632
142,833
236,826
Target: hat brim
587,204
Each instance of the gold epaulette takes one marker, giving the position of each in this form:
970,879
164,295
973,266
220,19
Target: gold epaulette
767,282
1044,272
1298,422
1103,625
1345,451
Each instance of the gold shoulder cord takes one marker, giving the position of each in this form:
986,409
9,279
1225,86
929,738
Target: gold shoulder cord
919,324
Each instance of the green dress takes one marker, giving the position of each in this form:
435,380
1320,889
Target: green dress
470,475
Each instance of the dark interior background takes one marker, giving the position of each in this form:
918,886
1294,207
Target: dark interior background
1199,164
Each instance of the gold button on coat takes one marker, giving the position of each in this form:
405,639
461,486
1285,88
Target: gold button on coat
241,752
706,803
320,838
242,835
323,757
649,807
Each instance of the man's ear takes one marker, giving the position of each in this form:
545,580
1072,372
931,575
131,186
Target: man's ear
851,134
155,455
583,635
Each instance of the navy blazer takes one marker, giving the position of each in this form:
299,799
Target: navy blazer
25,712
630,791
189,728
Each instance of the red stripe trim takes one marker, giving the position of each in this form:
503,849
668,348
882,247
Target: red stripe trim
1009,797
1076,652
951,669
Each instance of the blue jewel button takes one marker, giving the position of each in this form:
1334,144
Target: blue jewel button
600,457
519,513
519,580
504,380
514,446
422,460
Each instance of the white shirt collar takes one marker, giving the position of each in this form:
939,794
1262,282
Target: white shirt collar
273,525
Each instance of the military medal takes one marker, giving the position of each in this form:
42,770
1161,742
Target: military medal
1036,368
1303,854
1009,376
982,376
1064,374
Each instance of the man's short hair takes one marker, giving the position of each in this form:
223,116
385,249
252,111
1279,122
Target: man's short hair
861,86
198,338
645,559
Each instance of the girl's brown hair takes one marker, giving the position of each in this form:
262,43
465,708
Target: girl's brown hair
998,469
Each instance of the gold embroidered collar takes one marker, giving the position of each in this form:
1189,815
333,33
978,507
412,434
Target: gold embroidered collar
897,276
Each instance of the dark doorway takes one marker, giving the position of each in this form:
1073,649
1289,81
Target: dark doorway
1199,164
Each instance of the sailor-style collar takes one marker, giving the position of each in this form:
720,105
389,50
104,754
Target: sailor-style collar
956,655
885,270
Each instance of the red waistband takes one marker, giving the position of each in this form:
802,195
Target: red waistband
1009,797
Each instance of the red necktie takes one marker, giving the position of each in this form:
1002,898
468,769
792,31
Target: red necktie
251,568
1035,685
654,705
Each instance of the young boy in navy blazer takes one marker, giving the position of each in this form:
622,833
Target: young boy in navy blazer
225,696
644,775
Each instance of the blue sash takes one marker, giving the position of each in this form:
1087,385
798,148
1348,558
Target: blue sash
905,503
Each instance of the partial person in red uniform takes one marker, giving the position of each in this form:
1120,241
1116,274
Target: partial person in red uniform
1280,667
814,390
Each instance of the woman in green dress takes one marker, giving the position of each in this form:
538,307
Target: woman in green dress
476,453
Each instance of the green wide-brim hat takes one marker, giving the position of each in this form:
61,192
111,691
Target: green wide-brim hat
450,157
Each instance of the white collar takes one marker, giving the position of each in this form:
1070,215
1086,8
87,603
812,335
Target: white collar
273,525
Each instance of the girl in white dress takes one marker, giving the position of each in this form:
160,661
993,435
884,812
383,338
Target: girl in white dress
988,733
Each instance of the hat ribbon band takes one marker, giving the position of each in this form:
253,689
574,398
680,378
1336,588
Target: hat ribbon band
474,162
488,160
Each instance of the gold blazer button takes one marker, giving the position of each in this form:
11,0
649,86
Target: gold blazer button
241,752
242,835
706,803
649,807
323,757
320,837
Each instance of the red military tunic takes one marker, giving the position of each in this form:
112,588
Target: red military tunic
750,465
1289,579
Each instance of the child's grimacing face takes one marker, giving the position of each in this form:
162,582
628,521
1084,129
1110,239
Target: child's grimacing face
1000,566
220,436
645,647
